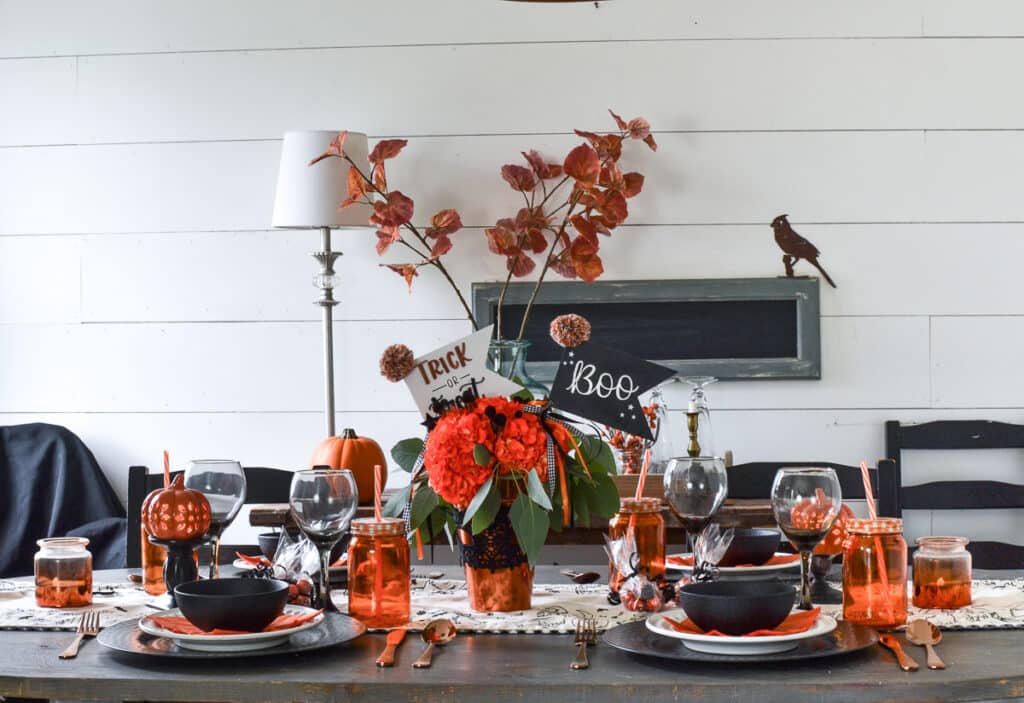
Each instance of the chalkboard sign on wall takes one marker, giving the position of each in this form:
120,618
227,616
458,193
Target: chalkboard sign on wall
727,328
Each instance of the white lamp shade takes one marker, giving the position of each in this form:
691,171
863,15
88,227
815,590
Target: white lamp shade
308,196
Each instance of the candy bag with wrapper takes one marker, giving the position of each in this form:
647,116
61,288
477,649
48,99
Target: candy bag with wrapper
637,592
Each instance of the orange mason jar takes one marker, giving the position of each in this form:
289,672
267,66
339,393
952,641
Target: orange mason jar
942,573
378,573
649,532
63,569
875,573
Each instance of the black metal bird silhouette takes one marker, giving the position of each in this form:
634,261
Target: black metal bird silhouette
795,247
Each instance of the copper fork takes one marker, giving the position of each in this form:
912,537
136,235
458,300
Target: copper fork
88,626
586,636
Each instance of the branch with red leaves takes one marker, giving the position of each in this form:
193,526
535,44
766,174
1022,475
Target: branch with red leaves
593,204
392,214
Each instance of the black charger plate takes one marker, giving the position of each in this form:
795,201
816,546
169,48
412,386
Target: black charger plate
334,630
635,638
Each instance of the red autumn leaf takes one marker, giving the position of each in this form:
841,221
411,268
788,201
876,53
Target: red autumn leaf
583,165
406,271
335,148
639,128
611,176
619,121
501,239
519,177
444,223
531,218
441,247
591,137
602,224
396,211
540,167
520,265
590,268
380,180
386,149
615,209
585,227
536,240
634,183
386,236
563,266
583,247
649,141
356,188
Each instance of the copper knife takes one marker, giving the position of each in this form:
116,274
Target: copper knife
395,637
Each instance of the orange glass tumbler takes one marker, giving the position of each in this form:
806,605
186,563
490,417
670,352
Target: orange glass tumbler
875,573
378,573
942,573
649,532
153,556
63,569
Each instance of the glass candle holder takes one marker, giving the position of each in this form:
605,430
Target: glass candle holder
63,568
378,573
875,573
153,556
942,573
649,533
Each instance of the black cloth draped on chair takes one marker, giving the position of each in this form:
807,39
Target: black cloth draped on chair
51,486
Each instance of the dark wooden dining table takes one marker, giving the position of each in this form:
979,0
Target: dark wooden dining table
983,665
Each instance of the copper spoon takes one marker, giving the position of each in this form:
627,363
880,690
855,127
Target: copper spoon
436,632
582,577
889,641
924,633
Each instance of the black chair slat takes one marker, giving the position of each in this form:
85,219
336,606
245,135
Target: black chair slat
996,555
962,434
753,480
962,495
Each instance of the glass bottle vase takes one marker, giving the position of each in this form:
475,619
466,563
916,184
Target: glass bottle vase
508,358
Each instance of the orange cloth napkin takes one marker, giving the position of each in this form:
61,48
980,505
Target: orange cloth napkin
182,626
774,561
796,622
254,561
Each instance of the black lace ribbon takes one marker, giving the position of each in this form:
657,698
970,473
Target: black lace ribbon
494,548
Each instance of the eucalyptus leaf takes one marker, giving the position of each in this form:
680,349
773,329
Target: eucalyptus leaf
478,499
488,511
406,452
538,494
530,524
602,459
424,502
582,497
397,502
481,455
606,496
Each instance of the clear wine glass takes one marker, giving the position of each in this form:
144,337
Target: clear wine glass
223,483
695,488
806,503
323,503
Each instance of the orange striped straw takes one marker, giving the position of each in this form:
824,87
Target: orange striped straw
865,474
640,485
377,471
167,469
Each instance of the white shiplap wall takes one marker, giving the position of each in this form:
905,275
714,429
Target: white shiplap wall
145,303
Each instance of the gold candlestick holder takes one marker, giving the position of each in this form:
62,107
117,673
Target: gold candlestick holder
693,449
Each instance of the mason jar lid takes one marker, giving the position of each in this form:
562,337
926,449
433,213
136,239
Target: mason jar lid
385,527
878,526
73,544
640,505
947,544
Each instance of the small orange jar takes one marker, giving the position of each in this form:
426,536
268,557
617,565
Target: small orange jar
875,573
942,573
63,569
649,532
378,573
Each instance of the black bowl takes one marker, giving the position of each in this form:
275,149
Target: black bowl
751,546
268,543
737,607
232,604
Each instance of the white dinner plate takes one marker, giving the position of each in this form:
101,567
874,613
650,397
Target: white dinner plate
739,573
736,646
247,642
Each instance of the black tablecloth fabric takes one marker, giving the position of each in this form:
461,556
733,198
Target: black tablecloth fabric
51,486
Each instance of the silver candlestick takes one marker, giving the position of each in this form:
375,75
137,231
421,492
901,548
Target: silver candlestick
325,282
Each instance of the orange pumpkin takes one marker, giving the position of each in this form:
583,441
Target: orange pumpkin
357,454
833,542
177,512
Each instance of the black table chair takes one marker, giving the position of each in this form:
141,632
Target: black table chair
754,480
262,485
961,495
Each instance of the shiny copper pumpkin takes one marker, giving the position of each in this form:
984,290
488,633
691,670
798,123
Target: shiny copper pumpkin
177,512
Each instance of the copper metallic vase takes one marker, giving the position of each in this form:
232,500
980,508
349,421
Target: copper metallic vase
498,575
